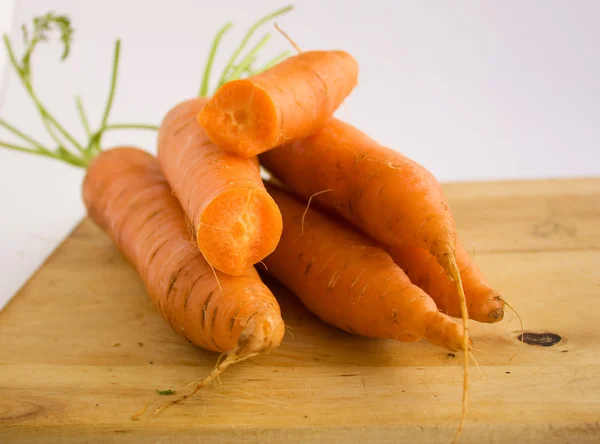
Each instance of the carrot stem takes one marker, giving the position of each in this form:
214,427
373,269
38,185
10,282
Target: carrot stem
246,39
51,125
126,126
247,66
56,131
272,62
211,58
21,134
22,148
47,118
70,159
247,60
83,116
111,95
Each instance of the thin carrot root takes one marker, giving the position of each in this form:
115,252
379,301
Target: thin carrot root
455,276
232,358
196,381
262,333
522,329
215,274
476,363
288,38
136,416
289,330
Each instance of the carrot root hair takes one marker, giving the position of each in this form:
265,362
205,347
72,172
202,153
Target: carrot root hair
522,329
215,274
476,363
289,330
137,415
232,358
308,206
288,38
262,333
195,381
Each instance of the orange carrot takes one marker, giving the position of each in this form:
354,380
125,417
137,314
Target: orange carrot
351,283
287,102
127,195
484,303
390,197
235,221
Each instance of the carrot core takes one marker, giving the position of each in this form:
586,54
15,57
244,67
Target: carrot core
228,232
247,112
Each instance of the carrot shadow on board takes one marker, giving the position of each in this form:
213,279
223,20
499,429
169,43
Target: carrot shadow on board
309,340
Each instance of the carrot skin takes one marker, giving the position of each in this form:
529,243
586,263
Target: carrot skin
127,195
390,197
287,102
235,221
350,282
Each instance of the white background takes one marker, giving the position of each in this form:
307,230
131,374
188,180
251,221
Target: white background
473,90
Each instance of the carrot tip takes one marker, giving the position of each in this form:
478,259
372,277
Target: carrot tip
496,315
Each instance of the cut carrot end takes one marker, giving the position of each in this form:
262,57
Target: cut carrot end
239,228
241,118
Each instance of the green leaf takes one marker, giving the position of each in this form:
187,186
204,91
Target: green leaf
41,27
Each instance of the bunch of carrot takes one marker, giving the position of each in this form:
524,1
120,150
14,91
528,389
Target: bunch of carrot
363,235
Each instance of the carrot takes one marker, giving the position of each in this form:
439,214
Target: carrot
127,195
235,221
350,282
390,197
484,303
287,102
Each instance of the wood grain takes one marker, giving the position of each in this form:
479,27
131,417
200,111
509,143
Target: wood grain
82,348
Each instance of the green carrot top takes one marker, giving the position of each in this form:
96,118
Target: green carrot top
66,147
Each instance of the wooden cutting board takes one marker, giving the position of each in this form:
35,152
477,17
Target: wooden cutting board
82,348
